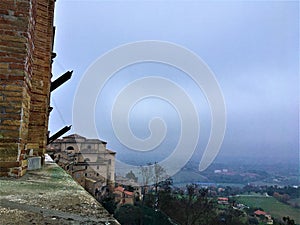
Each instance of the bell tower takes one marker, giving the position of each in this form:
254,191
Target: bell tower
26,43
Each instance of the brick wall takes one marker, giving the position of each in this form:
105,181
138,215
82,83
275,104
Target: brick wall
40,97
26,37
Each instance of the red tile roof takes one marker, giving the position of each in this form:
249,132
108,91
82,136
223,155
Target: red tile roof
119,188
260,212
128,193
222,199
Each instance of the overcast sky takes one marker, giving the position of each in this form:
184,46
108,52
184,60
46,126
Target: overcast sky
252,48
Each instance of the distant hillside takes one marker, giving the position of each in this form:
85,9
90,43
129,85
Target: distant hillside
186,177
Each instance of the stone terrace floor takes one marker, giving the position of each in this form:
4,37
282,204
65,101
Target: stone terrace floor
48,196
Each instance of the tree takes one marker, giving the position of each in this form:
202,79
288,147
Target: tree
153,173
192,207
146,172
253,220
138,215
108,202
166,185
159,174
288,221
234,217
129,215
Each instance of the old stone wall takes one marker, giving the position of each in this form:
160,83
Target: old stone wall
26,38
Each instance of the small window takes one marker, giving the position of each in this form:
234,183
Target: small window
97,174
70,148
85,174
89,147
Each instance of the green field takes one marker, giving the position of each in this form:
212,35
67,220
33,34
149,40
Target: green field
271,205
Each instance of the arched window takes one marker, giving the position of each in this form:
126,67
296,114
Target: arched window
70,148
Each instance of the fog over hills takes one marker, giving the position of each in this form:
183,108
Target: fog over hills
251,48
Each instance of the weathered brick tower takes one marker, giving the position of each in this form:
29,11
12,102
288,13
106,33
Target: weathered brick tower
26,41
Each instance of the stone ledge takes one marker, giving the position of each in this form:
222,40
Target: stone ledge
49,196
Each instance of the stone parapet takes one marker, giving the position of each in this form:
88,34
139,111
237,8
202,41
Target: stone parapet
49,196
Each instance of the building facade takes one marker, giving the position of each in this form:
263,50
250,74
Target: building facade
89,162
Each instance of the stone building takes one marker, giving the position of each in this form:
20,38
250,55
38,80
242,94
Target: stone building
127,191
26,42
122,196
89,162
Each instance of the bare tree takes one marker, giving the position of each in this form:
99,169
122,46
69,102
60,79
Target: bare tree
159,175
152,173
147,174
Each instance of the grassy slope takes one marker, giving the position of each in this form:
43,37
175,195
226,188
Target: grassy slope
272,206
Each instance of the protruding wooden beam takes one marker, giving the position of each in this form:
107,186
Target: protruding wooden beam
59,81
58,134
